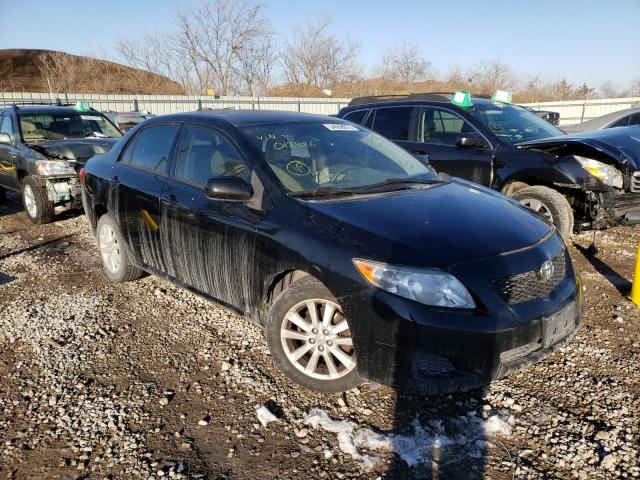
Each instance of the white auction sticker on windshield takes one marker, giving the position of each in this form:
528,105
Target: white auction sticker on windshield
340,127
95,118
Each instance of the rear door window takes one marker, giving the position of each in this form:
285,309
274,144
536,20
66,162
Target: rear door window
152,147
393,122
205,154
623,122
357,117
635,119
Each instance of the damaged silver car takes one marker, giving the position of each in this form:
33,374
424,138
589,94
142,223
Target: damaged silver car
42,148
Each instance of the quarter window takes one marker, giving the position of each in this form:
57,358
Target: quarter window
393,122
6,126
205,154
356,117
441,127
623,122
152,147
635,119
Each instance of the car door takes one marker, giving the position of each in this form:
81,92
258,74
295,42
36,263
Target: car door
210,243
9,154
139,177
438,130
395,123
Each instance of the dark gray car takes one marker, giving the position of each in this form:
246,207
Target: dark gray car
621,118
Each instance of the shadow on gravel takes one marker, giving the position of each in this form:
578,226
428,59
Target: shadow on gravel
622,284
10,206
35,246
449,433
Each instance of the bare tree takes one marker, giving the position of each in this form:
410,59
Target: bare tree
611,90
634,90
404,63
59,71
316,57
492,75
216,37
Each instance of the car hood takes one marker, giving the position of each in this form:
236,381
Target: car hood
618,146
439,226
78,149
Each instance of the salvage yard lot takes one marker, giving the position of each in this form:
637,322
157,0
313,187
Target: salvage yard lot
144,380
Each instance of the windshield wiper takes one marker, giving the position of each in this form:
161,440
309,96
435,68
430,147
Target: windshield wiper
324,192
398,182
401,183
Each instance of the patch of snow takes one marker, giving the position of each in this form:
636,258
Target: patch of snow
424,445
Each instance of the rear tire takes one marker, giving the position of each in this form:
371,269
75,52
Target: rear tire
36,202
550,204
322,340
113,251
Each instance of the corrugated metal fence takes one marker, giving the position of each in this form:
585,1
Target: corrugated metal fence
575,111
571,111
161,104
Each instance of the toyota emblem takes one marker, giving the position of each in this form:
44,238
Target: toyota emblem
546,270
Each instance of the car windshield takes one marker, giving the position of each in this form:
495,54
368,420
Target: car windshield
332,157
58,126
511,123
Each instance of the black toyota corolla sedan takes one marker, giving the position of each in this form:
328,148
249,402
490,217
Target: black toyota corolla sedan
357,259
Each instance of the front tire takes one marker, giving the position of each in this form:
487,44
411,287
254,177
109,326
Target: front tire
36,202
310,339
113,251
549,203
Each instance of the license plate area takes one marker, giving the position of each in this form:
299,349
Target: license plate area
558,325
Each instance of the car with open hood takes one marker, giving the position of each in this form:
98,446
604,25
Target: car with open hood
359,261
42,149
577,182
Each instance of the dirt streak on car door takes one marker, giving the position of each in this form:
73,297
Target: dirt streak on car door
210,244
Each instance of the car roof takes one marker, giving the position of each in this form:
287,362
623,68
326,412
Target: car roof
608,118
242,118
415,101
35,109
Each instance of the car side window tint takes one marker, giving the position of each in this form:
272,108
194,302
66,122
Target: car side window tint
205,154
635,119
623,122
152,147
356,117
393,122
6,126
441,127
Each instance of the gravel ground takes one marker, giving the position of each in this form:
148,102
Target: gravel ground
145,380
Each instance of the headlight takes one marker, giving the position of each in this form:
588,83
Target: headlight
54,167
425,285
603,172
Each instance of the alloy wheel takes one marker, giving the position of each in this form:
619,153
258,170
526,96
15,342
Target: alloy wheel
316,339
109,248
30,201
538,207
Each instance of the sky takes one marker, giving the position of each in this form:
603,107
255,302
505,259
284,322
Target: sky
590,41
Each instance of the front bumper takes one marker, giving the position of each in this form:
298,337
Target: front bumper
62,190
405,344
621,209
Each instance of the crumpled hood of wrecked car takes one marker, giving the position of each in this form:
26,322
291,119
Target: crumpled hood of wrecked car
78,149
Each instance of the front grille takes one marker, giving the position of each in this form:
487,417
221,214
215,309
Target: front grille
527,286
635,182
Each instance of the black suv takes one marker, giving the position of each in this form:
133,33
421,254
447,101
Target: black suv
42,149
577,182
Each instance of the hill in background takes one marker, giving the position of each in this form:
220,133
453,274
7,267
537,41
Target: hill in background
23,70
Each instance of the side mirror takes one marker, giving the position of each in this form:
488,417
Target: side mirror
471,140
228,188
5,138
